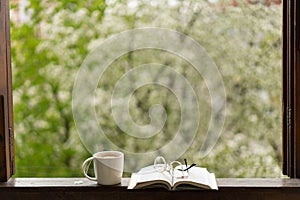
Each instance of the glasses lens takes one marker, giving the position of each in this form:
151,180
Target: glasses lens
177,170
159,164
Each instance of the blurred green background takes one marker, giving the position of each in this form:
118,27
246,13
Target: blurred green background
50,40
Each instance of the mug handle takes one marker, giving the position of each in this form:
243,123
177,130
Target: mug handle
85,167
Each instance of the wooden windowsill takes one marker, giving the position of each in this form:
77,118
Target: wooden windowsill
81,188
83,182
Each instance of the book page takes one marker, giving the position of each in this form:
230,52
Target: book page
213,181
149,176
198,176
133,181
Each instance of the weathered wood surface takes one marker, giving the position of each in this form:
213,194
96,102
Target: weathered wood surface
81,188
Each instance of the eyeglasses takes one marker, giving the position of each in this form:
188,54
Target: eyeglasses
175,168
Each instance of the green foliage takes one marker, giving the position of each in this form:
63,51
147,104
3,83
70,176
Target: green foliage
47,50
244,42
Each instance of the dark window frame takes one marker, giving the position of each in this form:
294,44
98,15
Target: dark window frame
290,91
7,166
291,88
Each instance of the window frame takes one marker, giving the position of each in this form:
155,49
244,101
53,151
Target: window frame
291,88
7,164
290,92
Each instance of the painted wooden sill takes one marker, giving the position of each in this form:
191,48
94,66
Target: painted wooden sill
81,188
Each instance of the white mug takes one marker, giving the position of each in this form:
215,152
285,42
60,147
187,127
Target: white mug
108,167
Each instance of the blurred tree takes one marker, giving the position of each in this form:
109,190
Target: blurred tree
47,50
245,43
244,40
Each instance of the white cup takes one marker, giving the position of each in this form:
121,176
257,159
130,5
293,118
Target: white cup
108,167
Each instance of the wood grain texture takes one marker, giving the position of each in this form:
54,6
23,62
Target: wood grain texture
222,182
3,93
9,92
297,89
291,88
285,88
288,92
6,119
66,188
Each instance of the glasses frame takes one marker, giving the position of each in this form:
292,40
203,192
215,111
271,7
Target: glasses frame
168,167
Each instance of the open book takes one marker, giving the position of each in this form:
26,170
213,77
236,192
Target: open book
148,177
